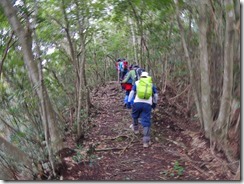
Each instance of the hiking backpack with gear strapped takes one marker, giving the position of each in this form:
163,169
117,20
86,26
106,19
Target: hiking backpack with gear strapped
144,88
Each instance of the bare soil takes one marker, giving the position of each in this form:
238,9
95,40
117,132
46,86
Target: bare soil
110,151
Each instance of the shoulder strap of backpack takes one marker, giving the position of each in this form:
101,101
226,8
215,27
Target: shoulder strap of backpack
137,74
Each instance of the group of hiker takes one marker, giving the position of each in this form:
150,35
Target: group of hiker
140,96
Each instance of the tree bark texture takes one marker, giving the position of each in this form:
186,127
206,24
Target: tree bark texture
224,114
223,123
204,68
133,40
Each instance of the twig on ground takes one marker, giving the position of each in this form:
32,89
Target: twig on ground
162,178
128,145
200,170
113,138
109,149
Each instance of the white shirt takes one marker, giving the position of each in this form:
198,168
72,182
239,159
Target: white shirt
137,99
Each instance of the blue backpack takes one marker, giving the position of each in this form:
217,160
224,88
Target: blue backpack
123,65
121,68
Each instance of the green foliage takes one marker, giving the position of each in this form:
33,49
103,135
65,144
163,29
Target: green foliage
15,137
107,29
78,157
179,169
176,171
3,19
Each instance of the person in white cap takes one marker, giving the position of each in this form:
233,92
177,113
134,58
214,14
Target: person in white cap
145,100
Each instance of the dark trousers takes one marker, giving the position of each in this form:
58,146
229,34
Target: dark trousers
143,111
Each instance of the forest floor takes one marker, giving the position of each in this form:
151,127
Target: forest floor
112,152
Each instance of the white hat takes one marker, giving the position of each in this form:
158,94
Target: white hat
144,74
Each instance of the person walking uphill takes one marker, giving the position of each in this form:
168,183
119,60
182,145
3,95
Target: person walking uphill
145,100
132,76
127,86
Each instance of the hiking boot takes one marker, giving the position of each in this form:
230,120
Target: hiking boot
145,145
135,131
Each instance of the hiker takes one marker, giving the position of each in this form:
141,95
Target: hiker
133,75
145,100
127,86
122,68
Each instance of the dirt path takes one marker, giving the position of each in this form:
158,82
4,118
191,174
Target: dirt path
111,151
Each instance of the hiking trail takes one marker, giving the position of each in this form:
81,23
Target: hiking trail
111,151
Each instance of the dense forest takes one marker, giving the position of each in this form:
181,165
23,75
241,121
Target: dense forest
57,54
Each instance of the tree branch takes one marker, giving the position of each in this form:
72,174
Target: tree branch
6,52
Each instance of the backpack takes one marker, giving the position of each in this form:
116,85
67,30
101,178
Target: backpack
125,64
138,72
144,88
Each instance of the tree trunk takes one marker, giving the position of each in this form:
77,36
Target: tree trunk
194,88
137,18
43,108
204,68
133,40
165,72
79,105
72,52
84,90
26,43
225,105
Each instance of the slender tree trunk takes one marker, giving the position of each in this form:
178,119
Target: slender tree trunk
165,68
77,66
43,108
165,74
133,40
137,18
225,105
25,40
83,82
204,68
79,105
197,101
